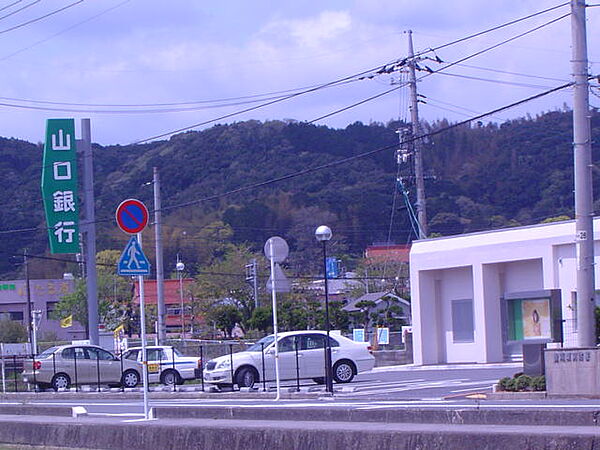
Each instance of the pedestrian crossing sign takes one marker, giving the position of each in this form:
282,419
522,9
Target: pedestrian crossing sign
133,261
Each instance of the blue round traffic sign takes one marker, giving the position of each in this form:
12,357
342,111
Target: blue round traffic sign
132,216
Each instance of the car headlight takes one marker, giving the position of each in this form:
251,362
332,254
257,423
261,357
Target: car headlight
225,364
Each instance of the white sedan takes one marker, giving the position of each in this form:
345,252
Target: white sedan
301,355
166,364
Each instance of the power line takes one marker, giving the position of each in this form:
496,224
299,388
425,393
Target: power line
491,80
366,154
495,28
489,69
503,42
10,5
431,72
262,105
333,163
37,19
17,10
371,71
89,19
337,111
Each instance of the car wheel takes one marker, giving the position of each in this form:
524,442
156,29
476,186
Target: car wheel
130,379
246,377
320,380
61,381
343,371
170,377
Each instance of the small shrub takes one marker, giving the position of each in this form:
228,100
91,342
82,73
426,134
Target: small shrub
538,383
523,383
503,383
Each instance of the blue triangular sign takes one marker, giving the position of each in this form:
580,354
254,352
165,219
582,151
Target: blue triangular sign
132,260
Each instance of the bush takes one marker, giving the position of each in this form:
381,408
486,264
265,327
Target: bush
522,383
538,383
504,383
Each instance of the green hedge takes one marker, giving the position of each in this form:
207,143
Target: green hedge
522,383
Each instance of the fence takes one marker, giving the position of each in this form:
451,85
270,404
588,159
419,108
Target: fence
15,368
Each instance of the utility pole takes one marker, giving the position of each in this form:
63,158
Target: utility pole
252,278
582,149
416,132
160,296
29,316
88,226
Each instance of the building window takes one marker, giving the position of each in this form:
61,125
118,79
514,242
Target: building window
15,315
462,320
50,307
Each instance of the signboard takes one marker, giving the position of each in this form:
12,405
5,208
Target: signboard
59,186
534,316
358,335
383,336
132,216
333,267
132,260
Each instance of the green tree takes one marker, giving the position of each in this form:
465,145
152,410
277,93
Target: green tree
225,318
114,295
261,320
365,307
224,279
12,331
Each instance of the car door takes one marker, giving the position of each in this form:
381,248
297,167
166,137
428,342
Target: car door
312,361
77,365
157,362
106,364
287,358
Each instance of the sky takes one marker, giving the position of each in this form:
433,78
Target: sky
143,68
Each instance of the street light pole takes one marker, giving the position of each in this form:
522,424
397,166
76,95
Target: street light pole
323,234
180,267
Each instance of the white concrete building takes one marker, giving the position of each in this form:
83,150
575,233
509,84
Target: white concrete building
460,286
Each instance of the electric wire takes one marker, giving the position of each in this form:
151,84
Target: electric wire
89,19
331,164
18,10
495,28
10,5
491,80
45,16
262,105
507,72
432,72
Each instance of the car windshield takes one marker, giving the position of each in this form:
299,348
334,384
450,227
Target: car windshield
47,352
257,347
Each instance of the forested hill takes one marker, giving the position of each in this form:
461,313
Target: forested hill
478,177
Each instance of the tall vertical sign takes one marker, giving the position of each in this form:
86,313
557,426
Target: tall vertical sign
59,186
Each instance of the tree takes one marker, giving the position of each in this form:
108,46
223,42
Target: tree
223,280
12,331
262,319
365,307
225,318
114,295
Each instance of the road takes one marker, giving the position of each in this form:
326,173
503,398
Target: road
381,387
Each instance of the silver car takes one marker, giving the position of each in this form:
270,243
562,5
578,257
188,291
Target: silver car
62,366
301,355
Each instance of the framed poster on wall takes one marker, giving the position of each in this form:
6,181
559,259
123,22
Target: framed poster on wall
534,316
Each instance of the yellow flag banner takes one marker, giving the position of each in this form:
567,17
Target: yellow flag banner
118,330
66,322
